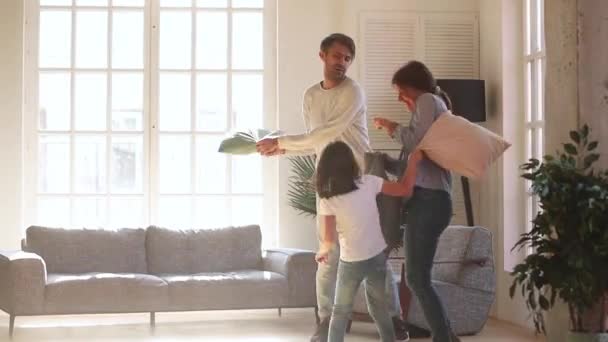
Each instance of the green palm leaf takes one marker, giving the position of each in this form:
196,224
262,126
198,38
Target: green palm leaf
244,142
301,193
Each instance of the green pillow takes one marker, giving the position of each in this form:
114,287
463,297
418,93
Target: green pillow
244,142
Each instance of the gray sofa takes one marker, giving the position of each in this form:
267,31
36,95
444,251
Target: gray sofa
464,277
83,271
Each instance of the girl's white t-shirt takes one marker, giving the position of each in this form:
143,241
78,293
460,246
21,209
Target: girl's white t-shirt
357,220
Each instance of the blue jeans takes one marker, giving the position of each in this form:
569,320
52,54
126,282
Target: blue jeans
326,287
429,213
350,275
326,283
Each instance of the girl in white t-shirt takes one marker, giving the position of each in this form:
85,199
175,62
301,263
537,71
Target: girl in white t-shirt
348,209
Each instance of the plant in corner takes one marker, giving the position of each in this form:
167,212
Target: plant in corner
568,242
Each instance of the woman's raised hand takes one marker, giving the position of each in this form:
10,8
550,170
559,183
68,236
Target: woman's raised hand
388,125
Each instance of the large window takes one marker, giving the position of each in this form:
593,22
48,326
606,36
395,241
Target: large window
127,103
534,63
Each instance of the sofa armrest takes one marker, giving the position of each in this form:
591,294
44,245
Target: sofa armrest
22,282
300,268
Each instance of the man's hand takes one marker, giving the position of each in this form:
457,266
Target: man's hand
322,257
276,152
388,125
269,147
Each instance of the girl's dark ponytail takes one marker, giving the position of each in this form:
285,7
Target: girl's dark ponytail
444,96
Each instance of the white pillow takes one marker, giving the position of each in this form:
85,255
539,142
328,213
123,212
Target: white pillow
458,145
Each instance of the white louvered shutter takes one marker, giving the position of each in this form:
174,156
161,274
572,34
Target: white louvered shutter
388,41
448,43
451,45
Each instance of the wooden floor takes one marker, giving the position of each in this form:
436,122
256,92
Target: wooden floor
295,325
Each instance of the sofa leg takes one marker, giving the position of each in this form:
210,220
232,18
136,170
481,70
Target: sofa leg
317,318
11,326
152,320
280,312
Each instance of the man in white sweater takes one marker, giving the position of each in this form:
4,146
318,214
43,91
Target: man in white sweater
333,109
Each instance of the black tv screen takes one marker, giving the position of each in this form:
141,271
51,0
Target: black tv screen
467,96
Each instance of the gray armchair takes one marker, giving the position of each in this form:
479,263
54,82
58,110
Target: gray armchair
463,275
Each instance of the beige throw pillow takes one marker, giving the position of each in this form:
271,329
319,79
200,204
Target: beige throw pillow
461,146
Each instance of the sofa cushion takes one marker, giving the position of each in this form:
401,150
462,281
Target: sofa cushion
104,293
207,250
230,290
88,250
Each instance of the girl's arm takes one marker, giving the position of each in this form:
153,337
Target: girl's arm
328,238
405,187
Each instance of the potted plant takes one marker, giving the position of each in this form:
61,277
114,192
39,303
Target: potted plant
568,242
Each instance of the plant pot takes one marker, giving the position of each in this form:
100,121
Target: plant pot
587,337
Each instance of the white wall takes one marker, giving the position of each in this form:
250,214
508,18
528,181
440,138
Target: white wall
488,213
501,198
562,98
593,72
11,65
301,27
562,104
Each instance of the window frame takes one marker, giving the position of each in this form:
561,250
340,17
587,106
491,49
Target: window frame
150,130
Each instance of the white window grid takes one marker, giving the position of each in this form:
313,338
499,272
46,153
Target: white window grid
150,132
534,85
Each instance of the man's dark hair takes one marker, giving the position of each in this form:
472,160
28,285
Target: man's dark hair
341,39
